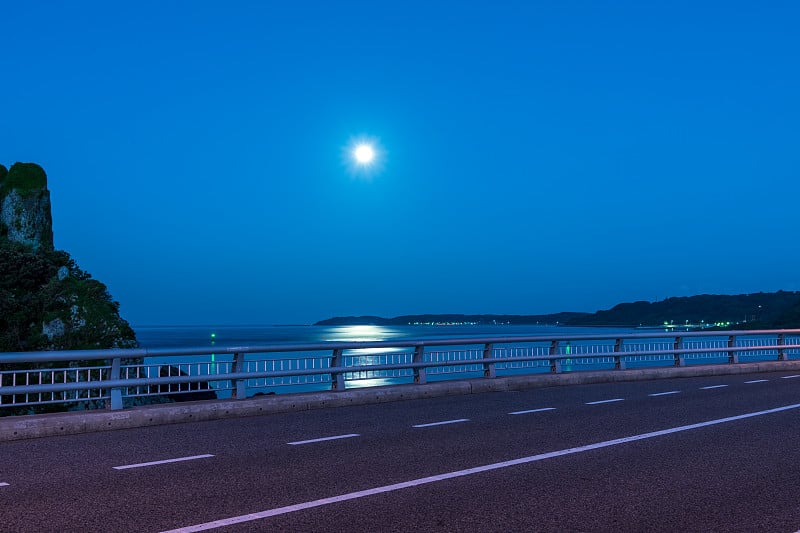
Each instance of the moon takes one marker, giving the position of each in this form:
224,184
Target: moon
364,154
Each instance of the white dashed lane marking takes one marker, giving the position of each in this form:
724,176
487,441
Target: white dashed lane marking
605,401
713,387
533,411
757,381
665,393
790,377
323,439
302,506
4,485
165,461
441,423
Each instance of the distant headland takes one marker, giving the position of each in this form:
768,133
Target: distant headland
762,310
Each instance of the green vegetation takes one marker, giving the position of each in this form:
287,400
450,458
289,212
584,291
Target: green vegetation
742,311
3,174
46,301
32,294
25,178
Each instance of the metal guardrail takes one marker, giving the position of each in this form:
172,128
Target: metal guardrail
108,376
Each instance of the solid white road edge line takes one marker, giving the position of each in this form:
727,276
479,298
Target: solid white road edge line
441,423
605,401
165,461
533,411
336,437
712,387
665,393
467,472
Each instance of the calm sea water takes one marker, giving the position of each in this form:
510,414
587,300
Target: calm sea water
219,337
588,355
201,336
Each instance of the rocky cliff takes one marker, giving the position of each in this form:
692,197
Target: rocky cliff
46,301
25,215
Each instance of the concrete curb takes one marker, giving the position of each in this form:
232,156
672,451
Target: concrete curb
71,423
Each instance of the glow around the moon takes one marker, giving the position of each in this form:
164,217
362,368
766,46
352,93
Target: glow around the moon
364,154
364,157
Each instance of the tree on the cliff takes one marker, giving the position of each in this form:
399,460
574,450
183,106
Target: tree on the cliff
23,177
47,302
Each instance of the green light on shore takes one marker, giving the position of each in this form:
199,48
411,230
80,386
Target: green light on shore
213,335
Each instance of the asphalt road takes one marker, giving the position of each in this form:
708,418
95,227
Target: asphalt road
695,454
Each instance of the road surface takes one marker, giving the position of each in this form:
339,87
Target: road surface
694,454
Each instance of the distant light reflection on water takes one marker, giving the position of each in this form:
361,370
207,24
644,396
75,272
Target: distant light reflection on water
200,336
365,333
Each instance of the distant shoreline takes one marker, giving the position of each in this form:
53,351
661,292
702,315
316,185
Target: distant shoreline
762,310
454,319
776,310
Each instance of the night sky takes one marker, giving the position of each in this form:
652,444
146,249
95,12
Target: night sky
532,157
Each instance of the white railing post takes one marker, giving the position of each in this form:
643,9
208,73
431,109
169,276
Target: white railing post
337,378
116,392
733,356
488,354
680,360
240,388
555,362
420,374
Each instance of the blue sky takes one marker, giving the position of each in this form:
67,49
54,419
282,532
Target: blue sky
534,156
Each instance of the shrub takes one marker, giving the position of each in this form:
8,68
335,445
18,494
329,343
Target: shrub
24,177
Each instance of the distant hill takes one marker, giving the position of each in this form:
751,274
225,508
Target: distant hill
557,318
745,311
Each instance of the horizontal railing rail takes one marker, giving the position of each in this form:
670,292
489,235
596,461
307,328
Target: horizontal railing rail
466,356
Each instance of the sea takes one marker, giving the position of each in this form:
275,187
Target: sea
192,337
205,336
588,354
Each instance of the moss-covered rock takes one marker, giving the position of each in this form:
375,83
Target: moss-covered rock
26,218
25,215
46,301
